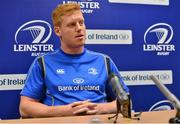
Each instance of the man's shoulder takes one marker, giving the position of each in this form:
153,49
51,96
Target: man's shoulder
49,54
98,54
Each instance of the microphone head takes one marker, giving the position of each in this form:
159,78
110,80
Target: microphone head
111,76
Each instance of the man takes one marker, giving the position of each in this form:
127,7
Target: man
75,79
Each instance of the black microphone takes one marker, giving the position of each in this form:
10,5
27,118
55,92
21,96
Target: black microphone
123,97
171,97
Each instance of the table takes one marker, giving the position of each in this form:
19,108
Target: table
146,117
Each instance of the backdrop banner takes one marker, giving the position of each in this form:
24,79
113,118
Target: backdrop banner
141,36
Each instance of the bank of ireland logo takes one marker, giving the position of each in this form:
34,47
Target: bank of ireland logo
78,80
157,38
164,77
33,37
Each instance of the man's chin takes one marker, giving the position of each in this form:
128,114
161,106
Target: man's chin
80,41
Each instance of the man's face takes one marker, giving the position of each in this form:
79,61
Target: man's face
72,30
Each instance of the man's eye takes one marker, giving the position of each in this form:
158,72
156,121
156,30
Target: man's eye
81,22
72,24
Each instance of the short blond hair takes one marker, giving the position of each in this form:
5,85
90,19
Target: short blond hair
63,9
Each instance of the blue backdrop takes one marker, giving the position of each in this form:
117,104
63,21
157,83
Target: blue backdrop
146,43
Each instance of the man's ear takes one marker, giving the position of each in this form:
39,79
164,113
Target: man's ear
57,31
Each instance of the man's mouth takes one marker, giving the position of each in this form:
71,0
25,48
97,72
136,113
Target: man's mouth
79,36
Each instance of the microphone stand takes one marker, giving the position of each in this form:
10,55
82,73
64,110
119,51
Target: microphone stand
123,107
175,119
117,112
171,97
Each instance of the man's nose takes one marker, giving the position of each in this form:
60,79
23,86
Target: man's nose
78,27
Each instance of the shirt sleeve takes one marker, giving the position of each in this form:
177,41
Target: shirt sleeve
34,84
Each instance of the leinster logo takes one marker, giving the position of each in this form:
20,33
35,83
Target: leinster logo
87,6
157,38
92,71
162,105
33,37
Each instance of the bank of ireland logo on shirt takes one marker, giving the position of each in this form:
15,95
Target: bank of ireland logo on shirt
32,37
157,38
78,80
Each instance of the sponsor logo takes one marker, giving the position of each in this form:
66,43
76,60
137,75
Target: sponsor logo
153,2
78,80
33,37
143,77
109,37
164,77
92,71
87,6
78,88
161,105
12,81
60,71
157,39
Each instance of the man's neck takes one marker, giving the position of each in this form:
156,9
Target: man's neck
73,51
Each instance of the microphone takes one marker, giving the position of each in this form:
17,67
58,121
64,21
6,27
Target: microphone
171,97
123,97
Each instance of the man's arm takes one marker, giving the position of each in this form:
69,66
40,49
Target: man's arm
107,108
32,108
